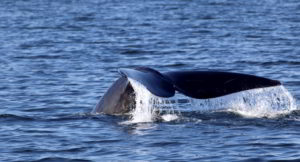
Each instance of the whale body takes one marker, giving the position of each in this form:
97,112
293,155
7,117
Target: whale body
120,97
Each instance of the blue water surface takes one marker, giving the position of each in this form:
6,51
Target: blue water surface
57,58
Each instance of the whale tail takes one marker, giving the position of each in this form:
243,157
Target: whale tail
196,84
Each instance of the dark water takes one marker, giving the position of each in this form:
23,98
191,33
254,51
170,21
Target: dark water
59,57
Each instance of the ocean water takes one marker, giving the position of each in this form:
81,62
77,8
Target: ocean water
57,58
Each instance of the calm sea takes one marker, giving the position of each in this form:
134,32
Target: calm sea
57,58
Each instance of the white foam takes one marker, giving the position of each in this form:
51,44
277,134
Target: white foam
169,117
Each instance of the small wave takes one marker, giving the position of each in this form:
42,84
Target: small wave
176,64
52,159
291,116
132,52
165,144
35,150
221,4
109,141
57,117
84,18
65,117
41,57
239,122
38,43
269,63
15,117
262,159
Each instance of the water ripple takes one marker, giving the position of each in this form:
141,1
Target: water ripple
59,57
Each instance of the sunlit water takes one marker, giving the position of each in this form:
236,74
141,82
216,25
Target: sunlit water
59,57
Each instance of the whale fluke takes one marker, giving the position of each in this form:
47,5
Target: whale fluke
211,84
195,84
153,80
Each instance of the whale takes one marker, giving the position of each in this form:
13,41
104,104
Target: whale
120,97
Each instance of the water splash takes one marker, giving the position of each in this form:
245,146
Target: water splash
150,107
263,102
